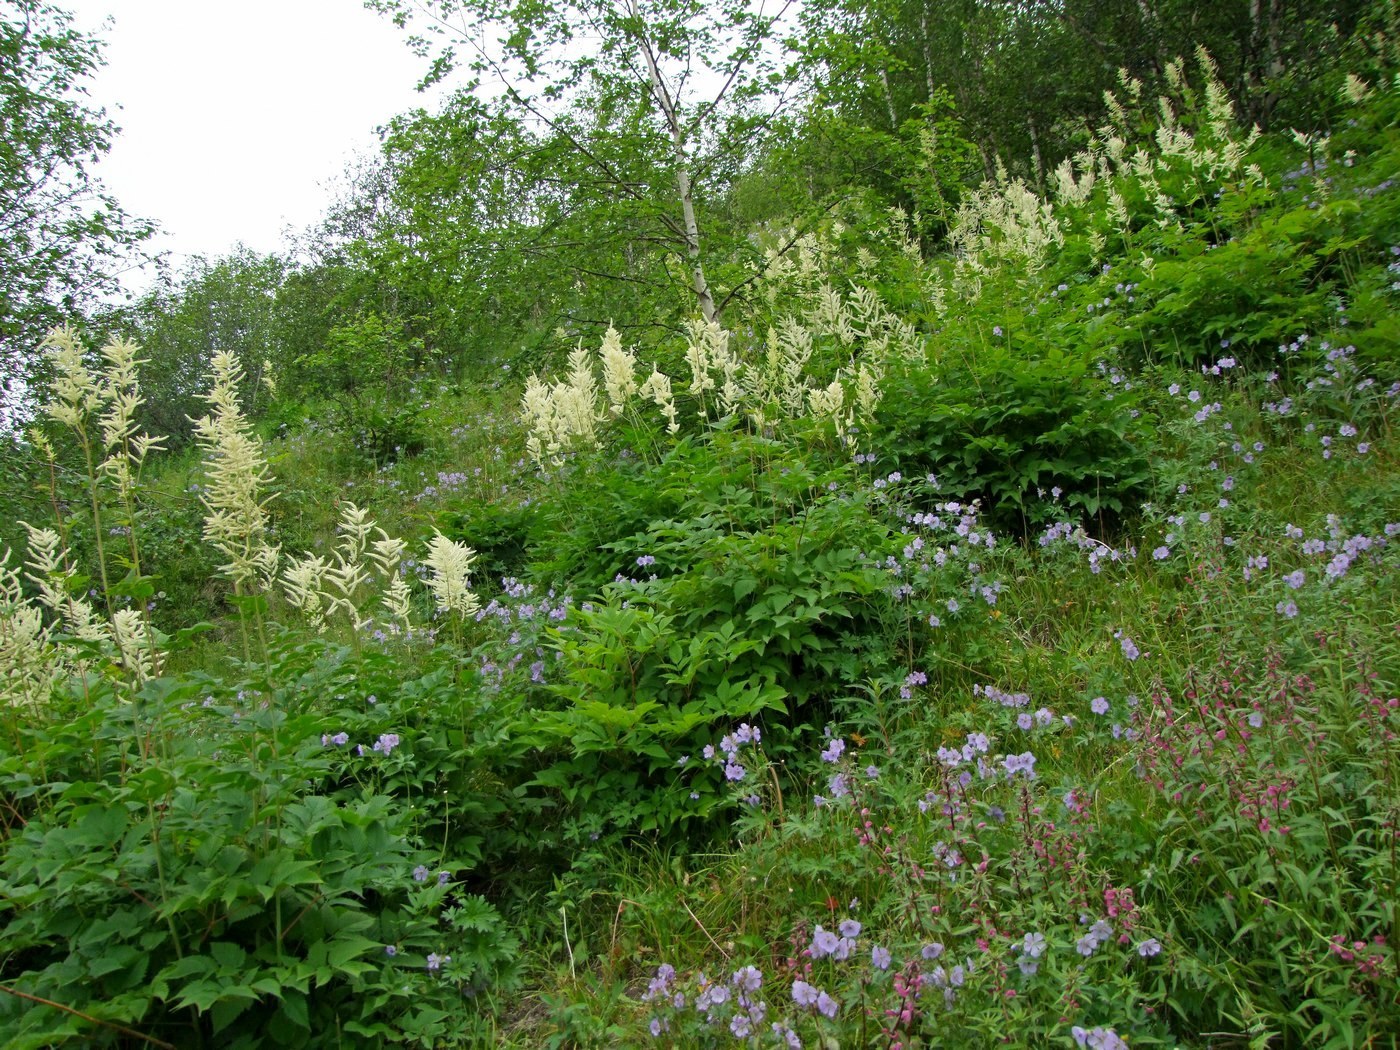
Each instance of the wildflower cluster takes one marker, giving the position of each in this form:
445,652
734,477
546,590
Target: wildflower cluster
520,618
938,565
1073,535
737,754
762,388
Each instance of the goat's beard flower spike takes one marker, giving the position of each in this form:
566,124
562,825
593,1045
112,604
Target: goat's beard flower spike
451,564
236,523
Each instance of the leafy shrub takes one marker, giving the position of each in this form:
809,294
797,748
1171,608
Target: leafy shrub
766,601
231,863
1012,424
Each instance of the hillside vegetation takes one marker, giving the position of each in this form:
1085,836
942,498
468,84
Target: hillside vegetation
982,635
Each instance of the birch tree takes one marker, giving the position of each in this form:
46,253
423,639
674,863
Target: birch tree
659,100
62,237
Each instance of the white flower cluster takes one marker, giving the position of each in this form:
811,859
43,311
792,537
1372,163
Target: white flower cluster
32,659
114,394
451,563
27,663
1005,220
564,414
236,522
320,587
774,385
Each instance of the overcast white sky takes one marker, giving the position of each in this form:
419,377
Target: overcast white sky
236,114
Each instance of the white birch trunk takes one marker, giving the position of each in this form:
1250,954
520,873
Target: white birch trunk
691,227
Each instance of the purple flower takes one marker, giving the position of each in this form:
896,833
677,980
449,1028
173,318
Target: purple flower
1098,1038
880,958
659,1025
931,951
849,928
1288,610
386,743
1033,944
837,786
803,994
1130,649
741,1026
420,873
391,950
1149,947
1162,553
1295,579
833,750
435,961
733,771
660,985
872,772
826,1005
749,978
787,1035
713,995
444,877
824,942
1022,763
1099,705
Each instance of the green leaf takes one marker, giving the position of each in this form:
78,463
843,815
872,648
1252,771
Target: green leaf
229,956
294,1008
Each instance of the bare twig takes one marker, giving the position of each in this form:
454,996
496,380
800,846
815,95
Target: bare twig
88,1017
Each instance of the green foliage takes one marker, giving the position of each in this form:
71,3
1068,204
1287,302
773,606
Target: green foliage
1069,677
219,866
63,235
361,355
774,585
227,304
1011,421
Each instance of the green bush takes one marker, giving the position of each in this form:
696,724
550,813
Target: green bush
1020,425
211,861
